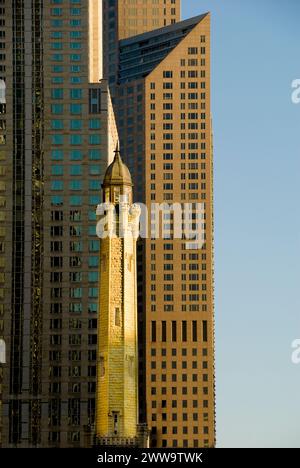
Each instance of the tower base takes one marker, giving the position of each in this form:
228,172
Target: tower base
140,441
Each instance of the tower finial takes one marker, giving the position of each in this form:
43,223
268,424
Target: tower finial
117,150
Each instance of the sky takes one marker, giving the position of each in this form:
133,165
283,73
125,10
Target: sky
255,58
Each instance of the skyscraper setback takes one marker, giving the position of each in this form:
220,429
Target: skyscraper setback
60,62
125,18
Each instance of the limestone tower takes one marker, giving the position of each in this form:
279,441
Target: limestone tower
117,369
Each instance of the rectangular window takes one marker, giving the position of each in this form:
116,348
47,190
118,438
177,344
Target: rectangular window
204,325
75,57
57,139
56,11
95,101
57,109
153,331
76,93
194,330
94,124
184,330
95,139
174,331
57,93
75,139
75,109
57,124
76,124
94,154
164,331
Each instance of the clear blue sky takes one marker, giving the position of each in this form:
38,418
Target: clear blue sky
257,167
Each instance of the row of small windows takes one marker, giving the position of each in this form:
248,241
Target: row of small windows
183,156
75,185
169,106
73,387
74,277
60,11
56,308
75,293
177,443
56,23
59,2
183,146
73,355
58,93
60,79
183,175
57,246
94,124
62,58
74,340
73,215
174,417
75,246
74,324
72,45
192,186
174,365
74,231
76,170
76,155
74,200
74,109
61,69
183,85
59,34
74,262
174,352
190,196
184,391
75,140
169,167
174,429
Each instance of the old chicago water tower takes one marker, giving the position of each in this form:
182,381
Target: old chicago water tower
117,369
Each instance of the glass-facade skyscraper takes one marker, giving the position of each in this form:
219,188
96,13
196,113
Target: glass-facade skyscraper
58,135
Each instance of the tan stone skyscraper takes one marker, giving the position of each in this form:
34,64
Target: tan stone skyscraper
117,387
164,123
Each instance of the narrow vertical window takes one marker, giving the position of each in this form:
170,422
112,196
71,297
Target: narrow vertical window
204,326
174,331
184,331
194,329
153,332
117,317
164,331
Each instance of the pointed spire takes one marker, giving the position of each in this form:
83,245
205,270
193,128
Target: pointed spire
117,153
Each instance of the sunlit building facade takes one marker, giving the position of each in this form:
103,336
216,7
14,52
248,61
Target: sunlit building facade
164,122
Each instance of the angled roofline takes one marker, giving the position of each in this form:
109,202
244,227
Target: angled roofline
164,30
